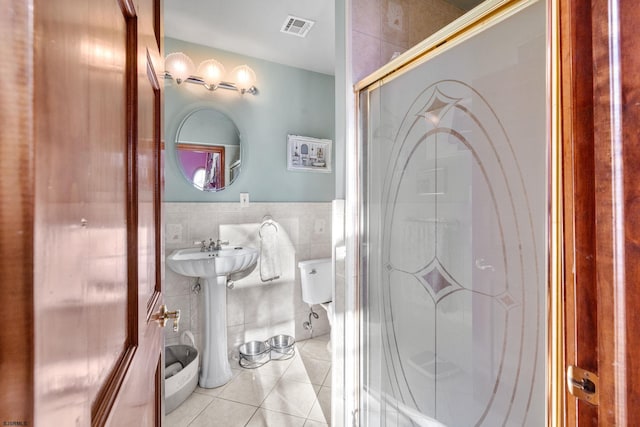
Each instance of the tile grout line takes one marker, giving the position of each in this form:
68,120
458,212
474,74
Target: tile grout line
251,417
280,378
201,411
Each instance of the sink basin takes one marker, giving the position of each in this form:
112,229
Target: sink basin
192,262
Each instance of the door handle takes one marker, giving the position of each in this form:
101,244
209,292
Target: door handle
163,315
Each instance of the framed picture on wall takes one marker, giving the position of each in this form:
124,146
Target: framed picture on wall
308,154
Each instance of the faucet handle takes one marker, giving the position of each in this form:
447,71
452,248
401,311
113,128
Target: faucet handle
202,244
217,245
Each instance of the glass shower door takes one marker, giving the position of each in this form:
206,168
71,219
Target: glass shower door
454,232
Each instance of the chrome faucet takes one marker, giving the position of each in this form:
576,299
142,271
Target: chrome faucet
217,245
214,245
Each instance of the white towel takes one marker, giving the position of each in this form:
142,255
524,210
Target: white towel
269,251
246,234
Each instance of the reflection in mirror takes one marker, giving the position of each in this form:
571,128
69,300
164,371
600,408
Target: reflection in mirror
208,149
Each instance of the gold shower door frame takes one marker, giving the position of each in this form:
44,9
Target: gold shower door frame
453,34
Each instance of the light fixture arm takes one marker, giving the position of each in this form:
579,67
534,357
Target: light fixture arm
222,85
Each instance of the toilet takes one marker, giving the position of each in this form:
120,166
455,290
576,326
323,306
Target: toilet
180,372
315,279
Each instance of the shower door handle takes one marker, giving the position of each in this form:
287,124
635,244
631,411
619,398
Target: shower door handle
163,315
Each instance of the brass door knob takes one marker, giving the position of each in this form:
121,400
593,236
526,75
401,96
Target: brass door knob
163,315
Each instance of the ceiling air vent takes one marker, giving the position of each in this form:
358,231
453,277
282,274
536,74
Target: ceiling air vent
297,26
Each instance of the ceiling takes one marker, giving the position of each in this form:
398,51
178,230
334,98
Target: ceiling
252,28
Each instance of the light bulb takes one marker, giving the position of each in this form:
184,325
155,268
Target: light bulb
212,72
244,77
179,65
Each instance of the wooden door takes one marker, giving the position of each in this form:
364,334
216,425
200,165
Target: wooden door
600,56
138,401
84,233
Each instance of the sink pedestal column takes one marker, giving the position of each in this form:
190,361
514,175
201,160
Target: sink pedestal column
215,362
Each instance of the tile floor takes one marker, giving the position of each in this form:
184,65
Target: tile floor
289,393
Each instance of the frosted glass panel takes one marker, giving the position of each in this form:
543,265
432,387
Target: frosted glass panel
455,211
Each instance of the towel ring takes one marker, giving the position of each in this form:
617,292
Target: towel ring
266,223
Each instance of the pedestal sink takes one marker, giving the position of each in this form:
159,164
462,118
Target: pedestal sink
213,267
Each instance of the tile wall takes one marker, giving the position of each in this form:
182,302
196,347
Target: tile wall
339,332
255,312
382,28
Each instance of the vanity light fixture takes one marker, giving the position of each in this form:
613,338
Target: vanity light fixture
210,74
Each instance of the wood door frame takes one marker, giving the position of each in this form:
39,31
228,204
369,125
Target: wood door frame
214,149
578,233
16,212
601,158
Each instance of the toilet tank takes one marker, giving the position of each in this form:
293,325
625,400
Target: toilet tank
315,279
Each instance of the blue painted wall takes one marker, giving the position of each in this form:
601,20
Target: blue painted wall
290,101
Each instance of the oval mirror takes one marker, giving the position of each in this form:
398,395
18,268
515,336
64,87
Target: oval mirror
208,149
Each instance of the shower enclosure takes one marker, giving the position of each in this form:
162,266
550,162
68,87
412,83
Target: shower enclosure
453,212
